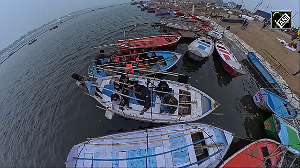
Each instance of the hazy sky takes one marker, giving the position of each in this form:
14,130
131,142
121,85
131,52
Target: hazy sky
292,5
17,17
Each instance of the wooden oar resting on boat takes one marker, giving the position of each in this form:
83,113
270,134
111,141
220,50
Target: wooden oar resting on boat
181,145
193,103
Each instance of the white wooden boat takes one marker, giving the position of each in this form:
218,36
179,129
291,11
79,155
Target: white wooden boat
228,60
181,145
193,103
201,48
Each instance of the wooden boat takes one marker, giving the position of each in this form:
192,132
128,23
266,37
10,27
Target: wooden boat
269,101
181,145
229,62
201,48
266,74
277,129
170,59
261,153
194,28
193,103
148,42
233,20
151,10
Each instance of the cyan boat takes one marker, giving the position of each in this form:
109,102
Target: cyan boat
260,67
170,58
269,101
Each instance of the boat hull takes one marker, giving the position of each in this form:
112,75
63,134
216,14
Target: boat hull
271,102
231,70
192,144
254,155
287,134
148,42
228,60
201,48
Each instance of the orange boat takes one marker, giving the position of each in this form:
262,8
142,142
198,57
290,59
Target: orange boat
148,42
261,153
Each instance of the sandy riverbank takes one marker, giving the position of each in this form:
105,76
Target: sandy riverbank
263,41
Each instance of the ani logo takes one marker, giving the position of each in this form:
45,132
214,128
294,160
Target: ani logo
281,19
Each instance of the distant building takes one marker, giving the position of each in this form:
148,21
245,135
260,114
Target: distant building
263,14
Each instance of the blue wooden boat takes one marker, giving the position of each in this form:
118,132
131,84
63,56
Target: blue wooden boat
277,129
182,145
201,48
171,58
269,101
266,74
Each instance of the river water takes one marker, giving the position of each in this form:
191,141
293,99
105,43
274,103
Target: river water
43,113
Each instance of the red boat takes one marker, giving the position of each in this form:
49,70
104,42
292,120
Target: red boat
229,62
261,153
148,42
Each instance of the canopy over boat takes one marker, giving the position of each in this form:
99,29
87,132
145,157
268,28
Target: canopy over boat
277,129
261,153
201,48
229,62
108,65
148,42
192,105
269,101
182,145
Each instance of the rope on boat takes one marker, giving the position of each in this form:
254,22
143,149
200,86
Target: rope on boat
142,142
194,127
142,157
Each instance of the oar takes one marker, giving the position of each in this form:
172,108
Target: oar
148,70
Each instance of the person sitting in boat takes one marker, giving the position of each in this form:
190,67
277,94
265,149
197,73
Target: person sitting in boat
115,99
87,84
132,55
126,83
169,104
143,94
99,57
162,87
157,59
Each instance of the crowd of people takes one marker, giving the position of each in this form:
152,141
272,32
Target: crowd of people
124,88
140,60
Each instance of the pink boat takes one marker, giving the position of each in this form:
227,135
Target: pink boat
229,62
